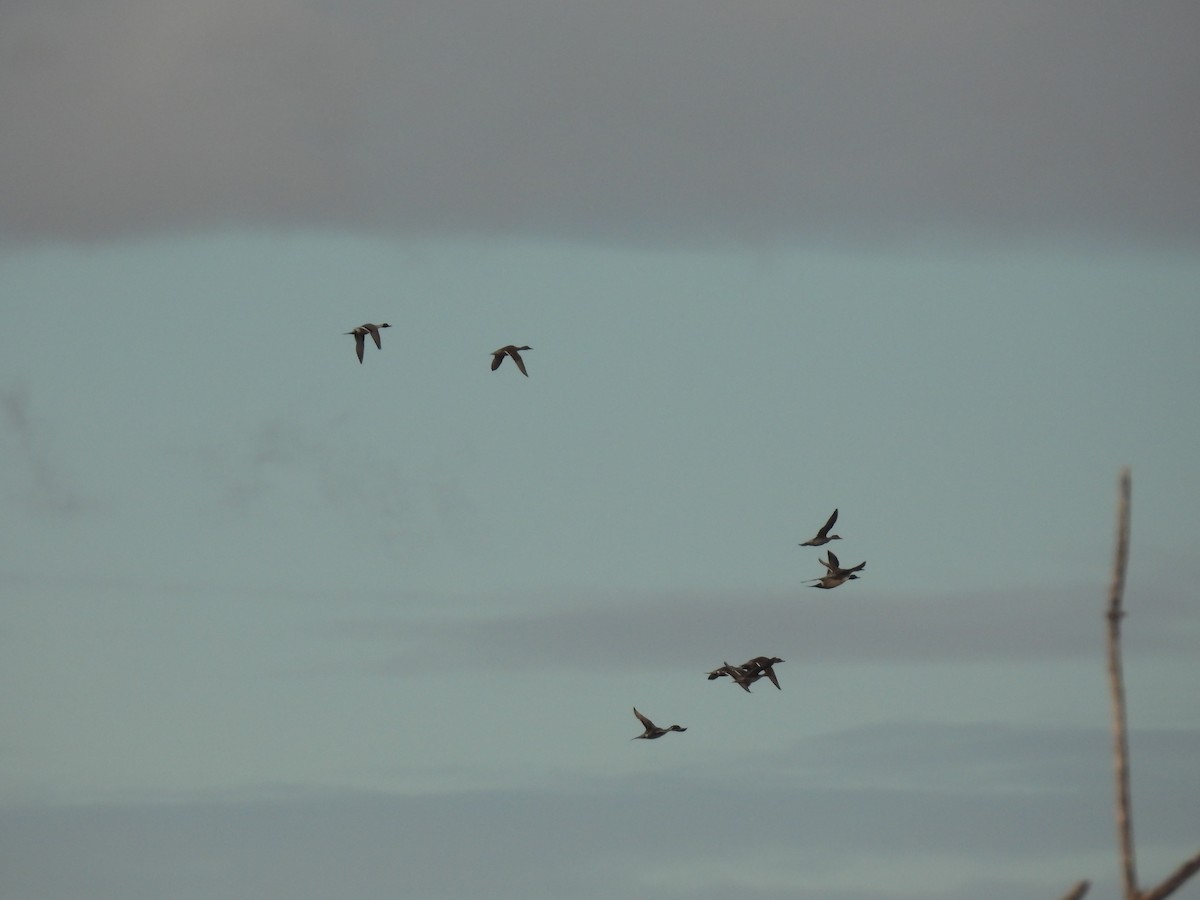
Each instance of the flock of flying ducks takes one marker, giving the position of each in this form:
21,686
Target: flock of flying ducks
751,670
360,342
764,666
835,575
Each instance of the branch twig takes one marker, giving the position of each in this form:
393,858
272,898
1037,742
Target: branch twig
1078,890
1116,683
1174,881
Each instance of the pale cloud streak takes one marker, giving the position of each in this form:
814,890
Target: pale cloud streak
36,480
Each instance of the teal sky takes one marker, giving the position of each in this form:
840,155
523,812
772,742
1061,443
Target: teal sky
277,624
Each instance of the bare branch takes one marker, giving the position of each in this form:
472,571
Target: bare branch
1078,890
1174,881
1116,591
1116,684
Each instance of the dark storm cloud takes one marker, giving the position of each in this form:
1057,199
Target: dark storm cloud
710,825
845,625
132,115
617,120
510,843
999,757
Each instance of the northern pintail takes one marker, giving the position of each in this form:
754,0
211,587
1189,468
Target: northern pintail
823,536
763,665
834,565
652,730
514,352
829,582
748,672
836,575
360,336
737,675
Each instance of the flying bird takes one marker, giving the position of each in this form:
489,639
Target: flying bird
823,536
763,665
836,575
652,730
748,672
737,675
829,582
834,565
360,337
514,352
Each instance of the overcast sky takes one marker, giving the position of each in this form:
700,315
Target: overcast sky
276,624
622,121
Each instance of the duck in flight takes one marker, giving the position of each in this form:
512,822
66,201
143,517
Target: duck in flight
737,674
749,672
652,730
823,536
360,336
514,352
836,575
763,665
